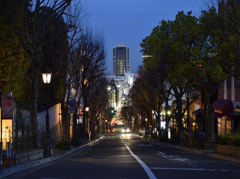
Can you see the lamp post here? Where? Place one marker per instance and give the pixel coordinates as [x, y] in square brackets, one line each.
[109, 95]
[146, 125]
[188, 95]
[87, 118]
[106, 125]
[47, 149]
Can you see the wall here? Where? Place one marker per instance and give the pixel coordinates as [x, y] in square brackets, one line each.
[54, 121]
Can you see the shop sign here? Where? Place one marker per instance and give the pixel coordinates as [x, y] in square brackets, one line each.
[6, 107]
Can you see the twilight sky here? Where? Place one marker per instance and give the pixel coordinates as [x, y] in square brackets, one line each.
[130, 21]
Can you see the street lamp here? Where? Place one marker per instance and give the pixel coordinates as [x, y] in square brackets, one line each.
[146, 124]
[87, 118]
[188, 95]
[47, 149]
[106, 125]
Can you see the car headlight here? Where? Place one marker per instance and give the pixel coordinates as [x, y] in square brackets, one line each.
[128, 130]
[123, 130]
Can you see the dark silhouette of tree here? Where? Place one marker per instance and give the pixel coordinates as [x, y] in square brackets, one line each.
[36, 23]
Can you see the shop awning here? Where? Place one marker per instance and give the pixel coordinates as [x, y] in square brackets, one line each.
[198, 112]
[218, 115]
[222, 107]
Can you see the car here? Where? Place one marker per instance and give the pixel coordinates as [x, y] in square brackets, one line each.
[125, 130]
[110, 130]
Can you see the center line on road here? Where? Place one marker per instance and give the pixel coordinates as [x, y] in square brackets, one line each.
[145, 167]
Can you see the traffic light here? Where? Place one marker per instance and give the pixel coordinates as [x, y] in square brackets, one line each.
[112, 111]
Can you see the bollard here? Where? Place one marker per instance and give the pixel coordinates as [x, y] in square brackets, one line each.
[8, 149]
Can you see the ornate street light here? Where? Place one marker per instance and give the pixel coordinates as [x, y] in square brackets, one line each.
[87, 118]
[46, 77]
[47, 149]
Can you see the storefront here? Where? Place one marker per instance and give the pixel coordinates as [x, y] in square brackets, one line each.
[6, 113]
[228, 115]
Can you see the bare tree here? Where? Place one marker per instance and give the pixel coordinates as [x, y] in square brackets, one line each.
[37, 19]
[92, 68]
[97, 99]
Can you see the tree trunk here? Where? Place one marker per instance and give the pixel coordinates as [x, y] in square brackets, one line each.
[84, 110]
[179, 119]
[209, 113]
[64, 121]
[74, 128]
[34, 93]
[238, 53]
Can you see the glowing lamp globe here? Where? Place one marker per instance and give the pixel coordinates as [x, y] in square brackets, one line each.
[46, 77]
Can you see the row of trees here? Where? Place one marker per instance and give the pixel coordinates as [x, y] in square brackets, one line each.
[188, 53]
[41, 34]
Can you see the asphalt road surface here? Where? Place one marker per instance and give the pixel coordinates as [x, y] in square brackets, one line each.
[120, 156]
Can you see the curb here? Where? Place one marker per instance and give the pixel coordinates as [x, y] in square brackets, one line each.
[20, 167]
[17, 168]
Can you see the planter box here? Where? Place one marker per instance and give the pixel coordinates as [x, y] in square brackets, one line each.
[227, 150]
[28, 156]
[22, 158]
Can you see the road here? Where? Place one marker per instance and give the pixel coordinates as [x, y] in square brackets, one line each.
[123, 156]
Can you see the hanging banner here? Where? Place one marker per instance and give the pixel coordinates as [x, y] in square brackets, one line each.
[6, 107]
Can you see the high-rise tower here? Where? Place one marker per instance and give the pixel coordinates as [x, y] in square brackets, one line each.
[120, 59]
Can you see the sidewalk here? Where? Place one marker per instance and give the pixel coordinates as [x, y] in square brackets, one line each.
[57, 154]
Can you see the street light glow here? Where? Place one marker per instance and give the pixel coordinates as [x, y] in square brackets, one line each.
[46, 77]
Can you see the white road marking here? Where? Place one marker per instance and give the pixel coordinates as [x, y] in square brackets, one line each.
[194, 169]
[177, 159]
[145, 167]
[160, 153]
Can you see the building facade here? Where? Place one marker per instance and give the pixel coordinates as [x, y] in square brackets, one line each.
[227, 106]
[120, 60]
[124, 84]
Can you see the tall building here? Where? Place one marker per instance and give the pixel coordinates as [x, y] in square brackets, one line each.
[120, 59]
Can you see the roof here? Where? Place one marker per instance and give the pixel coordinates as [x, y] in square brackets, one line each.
[120, 45]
